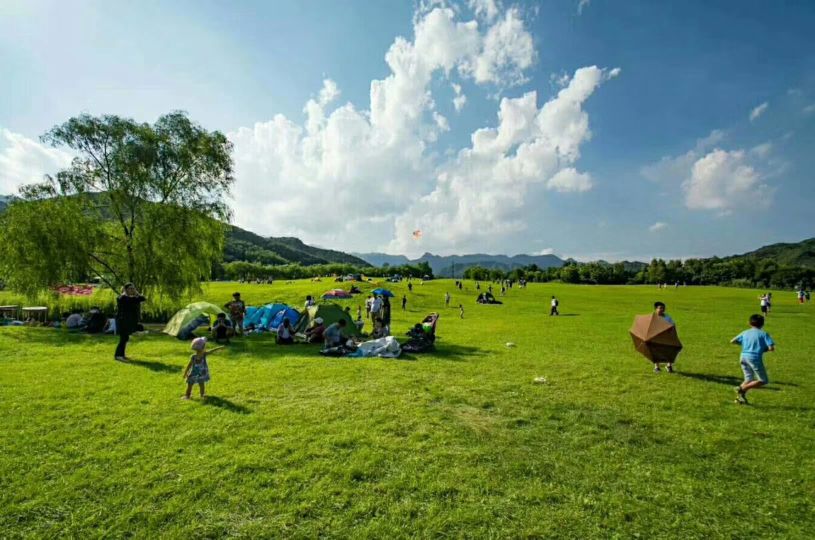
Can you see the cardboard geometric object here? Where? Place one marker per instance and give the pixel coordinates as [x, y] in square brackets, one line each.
[655, 338]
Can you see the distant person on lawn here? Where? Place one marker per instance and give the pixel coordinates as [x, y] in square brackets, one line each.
[754, 343]
[128, 307]
[764, 302]
[237, 311]
[315, 333]
[334, 336]
[285, 334]
[554, 305]
[222, 329]
[659, 310]
[404, 302]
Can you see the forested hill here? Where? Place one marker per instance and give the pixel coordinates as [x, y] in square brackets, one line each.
[242, 245]
[785, 254]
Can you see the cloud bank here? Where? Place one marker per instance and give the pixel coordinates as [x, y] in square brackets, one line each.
[367, 178]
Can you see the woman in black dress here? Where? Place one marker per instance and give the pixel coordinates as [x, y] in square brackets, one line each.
[127, 317]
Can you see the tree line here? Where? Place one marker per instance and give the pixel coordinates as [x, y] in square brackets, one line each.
[251, 271]
[734, 271]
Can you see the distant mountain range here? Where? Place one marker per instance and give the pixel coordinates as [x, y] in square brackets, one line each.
[454, 265]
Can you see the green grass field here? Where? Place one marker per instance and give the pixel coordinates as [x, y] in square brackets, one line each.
[459, 443]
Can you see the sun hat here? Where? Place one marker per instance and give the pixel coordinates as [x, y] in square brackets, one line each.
[199, 344]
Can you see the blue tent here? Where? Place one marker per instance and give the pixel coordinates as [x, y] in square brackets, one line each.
[292, 314]
[262, 316]
[382, 292]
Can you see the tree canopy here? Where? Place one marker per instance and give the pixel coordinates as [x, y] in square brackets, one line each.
[140, 202]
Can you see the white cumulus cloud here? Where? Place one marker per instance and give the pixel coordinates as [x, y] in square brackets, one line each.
[25, 161]
[724, 181]
[460, 99]
[658, 226]
[486, 194]
[719, 180]
[758, 111]
[355, 178]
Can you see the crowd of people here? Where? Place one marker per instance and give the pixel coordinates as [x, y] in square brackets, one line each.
[754, 341]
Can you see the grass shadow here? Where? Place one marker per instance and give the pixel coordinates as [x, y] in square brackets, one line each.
[728, 380]
[221, 403]
[458, 353]
[156, 366]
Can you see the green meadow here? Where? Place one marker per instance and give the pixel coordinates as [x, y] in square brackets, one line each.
[460, 443]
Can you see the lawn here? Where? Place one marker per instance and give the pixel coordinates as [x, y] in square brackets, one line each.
[459, 443]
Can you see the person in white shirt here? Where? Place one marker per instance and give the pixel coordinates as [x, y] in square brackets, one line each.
[74, 321]
[376, 306]
[659, 309]
[553, 310]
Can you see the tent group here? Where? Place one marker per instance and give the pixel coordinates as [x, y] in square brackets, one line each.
[266, 318]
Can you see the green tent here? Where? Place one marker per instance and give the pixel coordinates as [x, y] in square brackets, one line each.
[188, 314]
[330, 313]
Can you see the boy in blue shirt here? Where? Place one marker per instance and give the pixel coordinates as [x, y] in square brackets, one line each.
[754, 343]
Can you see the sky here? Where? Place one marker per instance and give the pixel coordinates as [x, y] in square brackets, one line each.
[613, 129]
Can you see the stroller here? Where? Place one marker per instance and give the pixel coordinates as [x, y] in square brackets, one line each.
[422, 335]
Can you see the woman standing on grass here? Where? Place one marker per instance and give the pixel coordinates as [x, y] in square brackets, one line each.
[127, 317]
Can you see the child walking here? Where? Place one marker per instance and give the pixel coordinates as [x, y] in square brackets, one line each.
[197, 371]
[754, 343]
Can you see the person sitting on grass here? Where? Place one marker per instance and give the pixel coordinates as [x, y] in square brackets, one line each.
[659, 309]
[285, 334]
[334, 335]
[74, 320]
[754, 343]
[222, 329]
[315, 333]
[197, 371]
[381, 329]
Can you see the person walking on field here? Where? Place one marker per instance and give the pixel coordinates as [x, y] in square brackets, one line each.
[447, 299]
[128, 307]
[659, 310]
[764, 302]
[404, 302]
[754, 343]
[554, 305]
[461, 311]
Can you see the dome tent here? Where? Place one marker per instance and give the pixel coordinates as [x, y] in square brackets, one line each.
[188, 315]
[329, 313]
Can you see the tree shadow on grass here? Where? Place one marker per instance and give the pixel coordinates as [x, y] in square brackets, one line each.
[728, 380]
[221, 403]
[155, 366]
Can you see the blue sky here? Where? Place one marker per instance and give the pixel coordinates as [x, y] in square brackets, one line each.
[647, 133]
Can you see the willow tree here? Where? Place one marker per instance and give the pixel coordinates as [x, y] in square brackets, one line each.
[140, 202]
